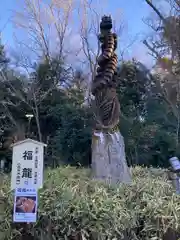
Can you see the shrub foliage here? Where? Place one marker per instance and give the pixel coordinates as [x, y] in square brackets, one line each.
[72, 206]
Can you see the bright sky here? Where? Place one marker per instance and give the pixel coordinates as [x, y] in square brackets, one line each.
[131, 12]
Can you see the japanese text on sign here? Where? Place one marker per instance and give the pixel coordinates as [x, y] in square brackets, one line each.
[18, 176]
[27, 169]
[28, 155]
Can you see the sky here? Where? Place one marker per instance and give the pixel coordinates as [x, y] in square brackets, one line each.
[130, 12]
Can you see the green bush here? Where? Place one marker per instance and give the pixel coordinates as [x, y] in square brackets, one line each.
[72, 206]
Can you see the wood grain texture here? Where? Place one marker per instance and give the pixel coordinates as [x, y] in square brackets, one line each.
[108, 159]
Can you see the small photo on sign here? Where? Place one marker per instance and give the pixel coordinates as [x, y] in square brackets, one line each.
[25, 205]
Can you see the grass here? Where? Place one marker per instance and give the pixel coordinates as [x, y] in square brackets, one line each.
[72, 206]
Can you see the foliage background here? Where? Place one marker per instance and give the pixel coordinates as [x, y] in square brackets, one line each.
[72, 206]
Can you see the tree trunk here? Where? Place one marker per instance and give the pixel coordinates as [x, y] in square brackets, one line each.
[36, 111]
[108, 158]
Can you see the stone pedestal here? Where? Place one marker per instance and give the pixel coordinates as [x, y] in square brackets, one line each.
[108, 158]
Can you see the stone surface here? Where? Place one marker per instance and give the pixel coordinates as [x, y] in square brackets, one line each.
[108, 158]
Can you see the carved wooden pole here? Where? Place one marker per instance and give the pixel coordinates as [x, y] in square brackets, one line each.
[108, 151]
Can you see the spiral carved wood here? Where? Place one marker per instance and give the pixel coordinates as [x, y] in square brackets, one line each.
[106, 104]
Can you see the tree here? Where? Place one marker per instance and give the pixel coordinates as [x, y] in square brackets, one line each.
[3, 58]
[165, 47]
[12, 117]
[40, 20]
[9, 102]
[60, 118]
[48, 76]
[133, 87]
[72, 141]
[166, 39]
[69, 133]
[147, 122]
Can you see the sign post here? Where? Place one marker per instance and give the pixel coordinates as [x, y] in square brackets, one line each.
[175, 173]
[27, 178]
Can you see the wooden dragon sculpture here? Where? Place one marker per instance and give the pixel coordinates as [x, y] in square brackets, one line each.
[106, 103]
